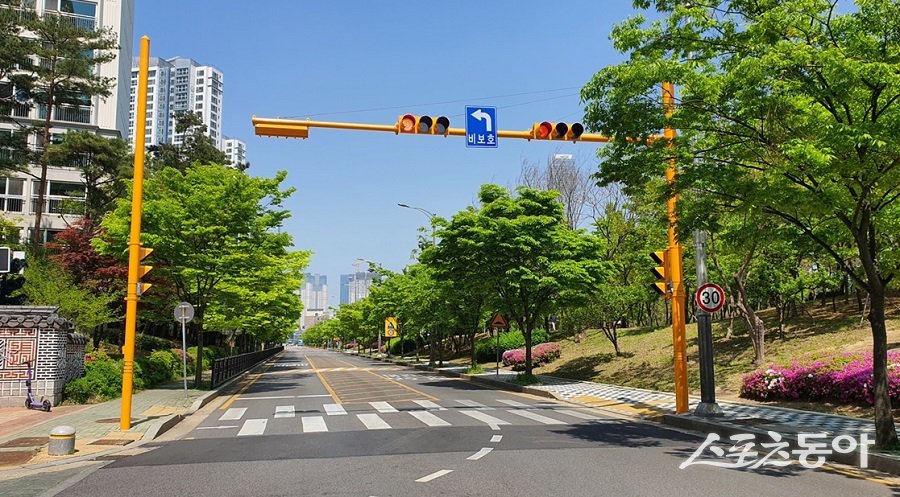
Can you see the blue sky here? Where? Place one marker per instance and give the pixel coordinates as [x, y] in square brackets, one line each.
[370, 62]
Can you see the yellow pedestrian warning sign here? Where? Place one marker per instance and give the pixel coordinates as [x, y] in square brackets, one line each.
[390, 327]
[498, 321]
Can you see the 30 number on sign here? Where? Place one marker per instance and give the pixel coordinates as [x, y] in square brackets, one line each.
[710, 297]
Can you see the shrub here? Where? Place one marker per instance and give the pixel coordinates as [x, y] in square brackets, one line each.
[485, 349]
[102, 380]
[162, 366]
[844, 378]
[150, 343]
[406, 346]
[541, 354]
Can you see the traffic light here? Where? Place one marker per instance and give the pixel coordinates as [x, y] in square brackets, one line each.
[559, 131]
[661, 286]
[425, 125]
[143, 270]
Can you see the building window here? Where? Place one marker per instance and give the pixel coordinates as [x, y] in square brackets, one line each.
[198, 98]
[198, 106]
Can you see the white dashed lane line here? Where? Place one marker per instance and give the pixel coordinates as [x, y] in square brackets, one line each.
[432, 476]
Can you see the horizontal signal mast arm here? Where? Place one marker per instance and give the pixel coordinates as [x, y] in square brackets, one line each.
[293, 128]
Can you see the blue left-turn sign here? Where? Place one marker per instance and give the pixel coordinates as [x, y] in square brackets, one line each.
[481, 127]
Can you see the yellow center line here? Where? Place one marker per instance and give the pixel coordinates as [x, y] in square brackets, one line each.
[242, 390]
[334, 396]
[428, 397]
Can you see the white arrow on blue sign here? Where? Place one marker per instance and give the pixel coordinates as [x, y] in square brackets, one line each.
[481, 127]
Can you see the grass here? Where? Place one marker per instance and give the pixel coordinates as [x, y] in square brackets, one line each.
[646, 360]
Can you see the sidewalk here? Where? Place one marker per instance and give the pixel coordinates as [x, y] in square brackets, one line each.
[656, 406]
[24, 433]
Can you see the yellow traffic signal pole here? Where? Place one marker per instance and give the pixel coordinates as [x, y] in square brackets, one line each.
[134, 241]
[675, 271]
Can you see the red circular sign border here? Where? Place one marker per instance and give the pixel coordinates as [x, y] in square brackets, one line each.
[705, 286]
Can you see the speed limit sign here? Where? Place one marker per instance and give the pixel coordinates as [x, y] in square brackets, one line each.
[710, 297]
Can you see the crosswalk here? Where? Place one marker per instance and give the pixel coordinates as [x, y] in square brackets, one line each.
[406, 414]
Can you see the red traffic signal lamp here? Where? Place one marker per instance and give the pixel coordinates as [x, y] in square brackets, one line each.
[425, 125]
[662, 286]
[558, 131]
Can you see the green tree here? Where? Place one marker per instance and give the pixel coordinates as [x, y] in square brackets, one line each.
[210, 226]
[786, 107]
[104, 164]
[14, 151]
[195, 147]
[61, 81]
[521, 247]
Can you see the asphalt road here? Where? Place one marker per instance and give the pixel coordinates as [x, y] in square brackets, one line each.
[316, 423]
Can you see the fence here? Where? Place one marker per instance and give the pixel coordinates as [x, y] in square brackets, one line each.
[228, 367]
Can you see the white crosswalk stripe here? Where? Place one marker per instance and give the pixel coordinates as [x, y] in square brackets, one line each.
[373, 422]
[334, 410]
[312, 424]
[253, 427]
[577, 414]
[512, 403]
[428, 418]
[472, 403]
[382, 406]
[427, 404]
[540, 418]
[484, 418]
[233, 414]
[284, 411]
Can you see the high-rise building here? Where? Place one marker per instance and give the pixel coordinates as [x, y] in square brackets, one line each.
[104, 116]
[346, 280]
[314, 295]
[235, 150]
[359, 285]
[177, 85]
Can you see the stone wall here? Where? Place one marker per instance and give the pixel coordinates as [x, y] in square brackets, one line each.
[42, 337]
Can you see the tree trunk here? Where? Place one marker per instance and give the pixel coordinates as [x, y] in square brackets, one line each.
[526, 332]
[42, 185]
[198, 372]
[472, 360]
[885, 432]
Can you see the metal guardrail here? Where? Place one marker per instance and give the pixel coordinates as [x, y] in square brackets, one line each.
[228, 367]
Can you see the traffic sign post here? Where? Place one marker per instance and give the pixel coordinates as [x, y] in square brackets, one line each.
[481, 127]
[710, 298]
[390, 331]
[498, 322]
[184, 313]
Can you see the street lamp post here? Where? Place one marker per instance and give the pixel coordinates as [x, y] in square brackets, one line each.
[431, 217]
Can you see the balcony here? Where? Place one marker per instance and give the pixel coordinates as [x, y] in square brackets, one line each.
[60, 205]
[67, 113]
[86, 23]
[15, 110]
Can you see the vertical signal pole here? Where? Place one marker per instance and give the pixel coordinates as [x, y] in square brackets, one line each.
[674, 261]
[134, 241]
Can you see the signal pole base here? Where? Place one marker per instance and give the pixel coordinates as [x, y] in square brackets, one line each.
[708, 409]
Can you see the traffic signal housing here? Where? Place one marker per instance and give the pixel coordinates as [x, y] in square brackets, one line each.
[143, 270]
[425, 125]
[662, 285]
[557, 131]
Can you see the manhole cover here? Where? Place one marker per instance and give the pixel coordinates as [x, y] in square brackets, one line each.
[15, 457]
[24, 442]
[111, 441]
[113, 420]
[750, 421]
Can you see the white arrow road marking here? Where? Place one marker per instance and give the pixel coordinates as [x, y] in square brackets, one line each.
[481, 453]
[484, 116]
[233, 414]
[253, 427]
[432, 476]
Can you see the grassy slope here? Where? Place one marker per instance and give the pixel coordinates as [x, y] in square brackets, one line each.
[647, 360]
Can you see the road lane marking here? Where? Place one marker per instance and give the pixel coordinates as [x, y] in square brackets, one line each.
[285, 411]
[373, 422]
[423, 394]
[512, 403]
[427, 404]
[428, 418]
[330, 390]
[217, 427]
[481, 453]
[383, 407]
[233, 414]
[279, 397]
[253, 427]
[432, 476]
[472, 403]
[484, 418]
[577, 414]
[234, 397]
[540, 418]
[334, 410]
[496, 438]
[312, 424]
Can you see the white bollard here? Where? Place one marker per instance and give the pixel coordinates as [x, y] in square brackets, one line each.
[62, 441]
